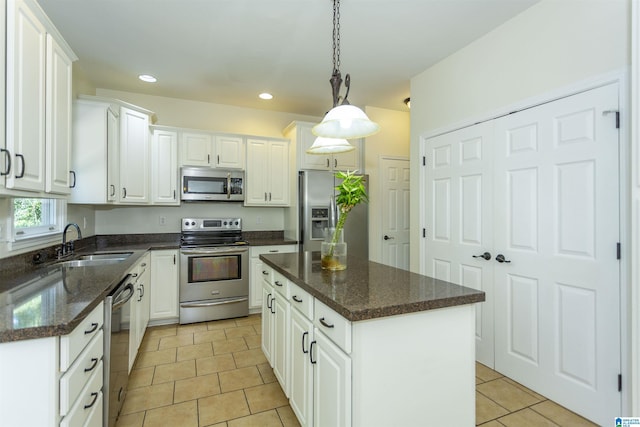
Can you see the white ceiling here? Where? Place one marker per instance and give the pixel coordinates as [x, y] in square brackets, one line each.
[228, 51]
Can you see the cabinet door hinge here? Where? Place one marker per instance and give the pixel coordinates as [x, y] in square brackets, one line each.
[619, 382]
[618, 251]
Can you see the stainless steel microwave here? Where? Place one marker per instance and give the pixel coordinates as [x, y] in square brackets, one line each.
[207, 184]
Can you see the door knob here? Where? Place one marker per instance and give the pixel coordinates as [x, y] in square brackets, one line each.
[387, 237]
[485, 255]
[500, 258]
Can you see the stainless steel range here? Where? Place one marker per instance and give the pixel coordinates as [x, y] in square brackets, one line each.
[214, 270]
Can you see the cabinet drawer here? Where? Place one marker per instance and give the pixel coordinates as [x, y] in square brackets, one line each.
[281, 284]
[273, 249]
[90, 397]
[71, 345]
[267, 273]
[95, 416]
[334, 326]
[301, 300]
[72, 382]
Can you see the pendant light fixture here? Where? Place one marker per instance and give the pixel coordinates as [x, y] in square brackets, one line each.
[343, 121]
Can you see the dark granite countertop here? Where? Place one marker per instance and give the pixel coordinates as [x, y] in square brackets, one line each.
[368, 290]
[52, 300]
[45, 300]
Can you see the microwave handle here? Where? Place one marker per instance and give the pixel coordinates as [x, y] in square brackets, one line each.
[228, 185]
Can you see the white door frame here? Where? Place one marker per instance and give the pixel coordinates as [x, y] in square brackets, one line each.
[633, 390]
[629, 227]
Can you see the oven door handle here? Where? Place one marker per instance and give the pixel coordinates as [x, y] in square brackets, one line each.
[212, 303]
[211, 251]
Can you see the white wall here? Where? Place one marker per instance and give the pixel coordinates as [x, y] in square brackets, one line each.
[392, 140]
[146, 219]
[209, 116]
[550, 45]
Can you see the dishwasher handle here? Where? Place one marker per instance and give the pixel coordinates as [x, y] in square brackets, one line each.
[122, 296]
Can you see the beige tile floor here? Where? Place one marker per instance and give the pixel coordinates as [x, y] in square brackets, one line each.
[214, 374]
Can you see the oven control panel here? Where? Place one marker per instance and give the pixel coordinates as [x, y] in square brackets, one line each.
[211, 224]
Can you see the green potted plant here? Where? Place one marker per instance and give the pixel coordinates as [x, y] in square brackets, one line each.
[351, 192]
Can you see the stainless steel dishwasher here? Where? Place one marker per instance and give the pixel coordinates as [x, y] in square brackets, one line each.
[116, 351]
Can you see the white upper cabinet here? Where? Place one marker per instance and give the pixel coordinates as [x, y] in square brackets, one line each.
[26, 72]
[134, 156]
[111, 153]
[94, 156]
[195, 149]
[164, 168]
[229, 152]
[267, 175]
[59, 177]
[213, 150]
[38, 92]
[300, 134]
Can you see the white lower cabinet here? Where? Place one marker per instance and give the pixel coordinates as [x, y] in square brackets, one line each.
[301, 369]
[267, 319]
[255, 276]
[331, 383]
[56, 380]
[275, 325]
[280, 340]
[163, 290]
[139, 316]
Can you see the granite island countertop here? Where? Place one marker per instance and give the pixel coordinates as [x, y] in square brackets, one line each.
[369, 290]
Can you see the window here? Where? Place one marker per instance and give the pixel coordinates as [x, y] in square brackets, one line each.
[37, 217]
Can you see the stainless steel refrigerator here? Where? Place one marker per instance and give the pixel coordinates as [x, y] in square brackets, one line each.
[315, 189]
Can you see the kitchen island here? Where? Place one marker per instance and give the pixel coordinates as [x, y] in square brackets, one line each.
[371, 345]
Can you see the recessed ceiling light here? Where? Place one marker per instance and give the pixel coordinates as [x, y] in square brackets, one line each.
[147, 78]
[265, 95]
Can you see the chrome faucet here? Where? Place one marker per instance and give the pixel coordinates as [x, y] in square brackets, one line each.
[68, 247]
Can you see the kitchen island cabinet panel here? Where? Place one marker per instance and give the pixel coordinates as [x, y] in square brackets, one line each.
[429, 375]
[390, 347]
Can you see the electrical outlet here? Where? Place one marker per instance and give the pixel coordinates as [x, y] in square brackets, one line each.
[259, 220]
[162, 220]
[84, 222]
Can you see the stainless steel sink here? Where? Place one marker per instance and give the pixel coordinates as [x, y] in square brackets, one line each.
[95, 260]
[120, 256]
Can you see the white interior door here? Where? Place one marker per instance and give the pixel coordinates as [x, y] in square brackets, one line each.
[458, 222]
[556, 190]
[395, 212]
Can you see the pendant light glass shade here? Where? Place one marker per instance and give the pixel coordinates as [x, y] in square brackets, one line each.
[345, 121]
[330, 145]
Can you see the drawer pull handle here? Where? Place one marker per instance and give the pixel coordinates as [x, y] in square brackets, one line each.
[296, 299]
[303, 348]
[266, 273]
[278, 283]
[93, 402]
[274, 250]
[93, 365]
[94, 326]
[313, 362]
[325, 324]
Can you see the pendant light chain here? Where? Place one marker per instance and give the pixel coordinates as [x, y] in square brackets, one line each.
[336, 35]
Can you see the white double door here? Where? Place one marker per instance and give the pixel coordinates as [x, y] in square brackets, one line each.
[536, 193]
